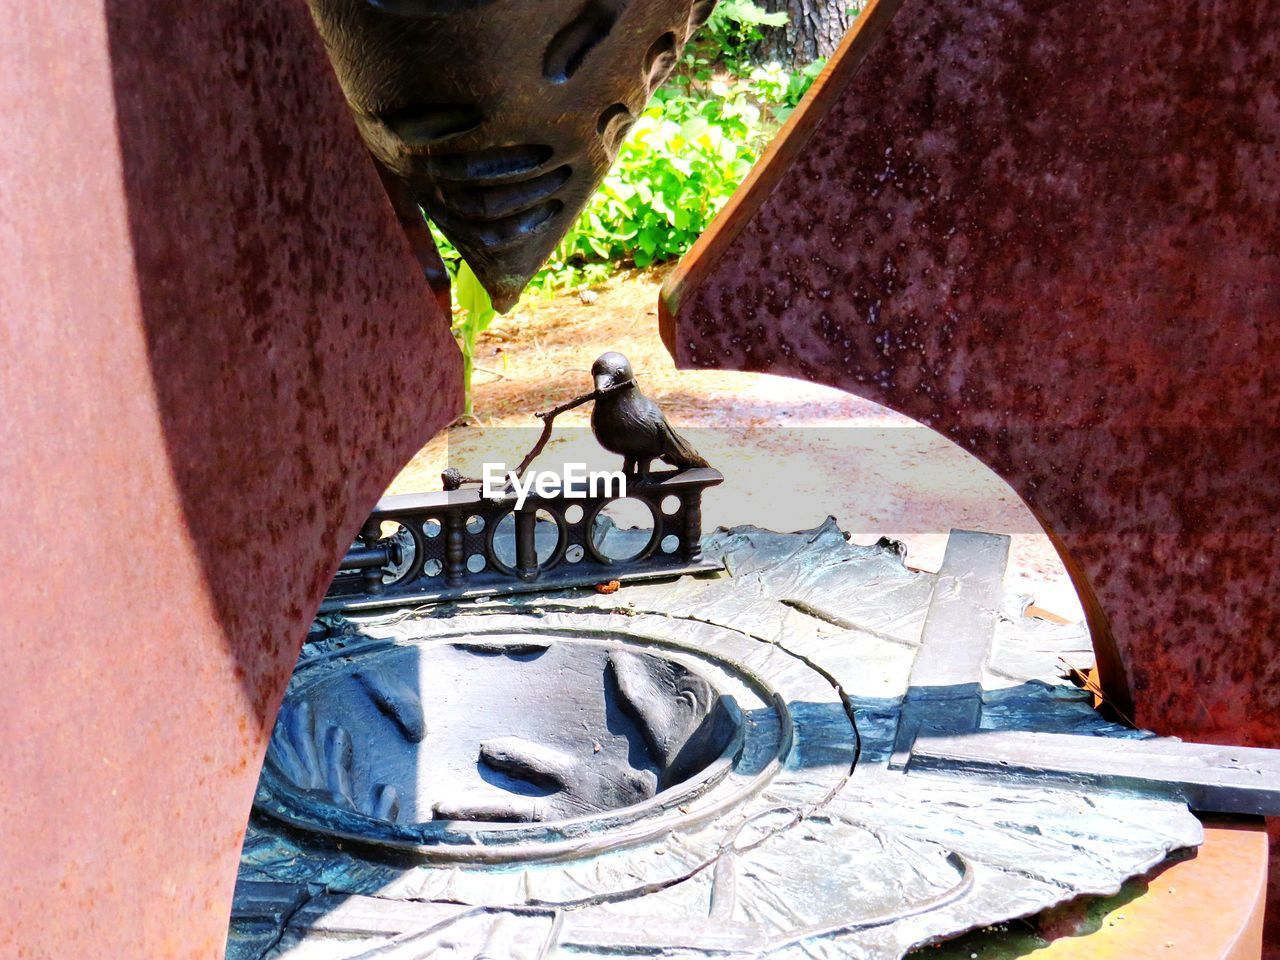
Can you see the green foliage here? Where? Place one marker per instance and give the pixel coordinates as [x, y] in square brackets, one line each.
[473, 315]
[782, 90]
[683, 158]
[733, 29]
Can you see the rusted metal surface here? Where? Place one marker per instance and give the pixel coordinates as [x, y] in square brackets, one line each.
[1209, 906]
[502, 116]
[215, 351]
[1050, 233]
[421, 244]
[1271, 933]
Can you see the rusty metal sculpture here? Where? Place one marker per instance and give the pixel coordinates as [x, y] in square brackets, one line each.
[220, 361]
[210, 359]
[501, 118]
[1051, 235]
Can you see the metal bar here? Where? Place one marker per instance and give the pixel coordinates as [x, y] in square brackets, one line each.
[438, 569]
[371, 575]
[945, 688]
[691, 539]
[1209, 778]
[454, 551]
[562, 577]
[526, 547]
[362, 558]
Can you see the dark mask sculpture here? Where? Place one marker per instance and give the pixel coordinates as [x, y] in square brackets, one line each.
[502, 116]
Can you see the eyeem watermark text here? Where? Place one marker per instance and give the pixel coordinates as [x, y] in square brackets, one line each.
[576, 482]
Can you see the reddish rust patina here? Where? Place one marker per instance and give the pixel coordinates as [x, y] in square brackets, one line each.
[1050, 231]
[1207, 907]
[215, 351]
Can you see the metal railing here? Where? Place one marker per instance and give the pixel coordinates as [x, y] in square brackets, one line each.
[420, 548]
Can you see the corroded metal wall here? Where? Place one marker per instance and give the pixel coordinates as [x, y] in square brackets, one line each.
[215, 351]
[1050, 232]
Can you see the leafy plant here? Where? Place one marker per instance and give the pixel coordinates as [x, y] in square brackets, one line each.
[683, 159]
[472, 317]
[734, 29]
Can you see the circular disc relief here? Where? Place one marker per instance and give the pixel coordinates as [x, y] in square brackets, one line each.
[517, 746]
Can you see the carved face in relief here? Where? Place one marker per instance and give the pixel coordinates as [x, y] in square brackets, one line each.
[517, 729]
[502, 115]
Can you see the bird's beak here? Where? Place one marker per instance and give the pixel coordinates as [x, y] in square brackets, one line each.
[603, 380]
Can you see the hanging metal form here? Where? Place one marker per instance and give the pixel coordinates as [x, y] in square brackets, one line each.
[502, 116]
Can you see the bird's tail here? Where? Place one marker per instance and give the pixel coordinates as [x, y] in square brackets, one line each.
[681, 453]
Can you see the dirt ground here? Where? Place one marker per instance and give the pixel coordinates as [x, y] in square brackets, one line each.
[792, 453]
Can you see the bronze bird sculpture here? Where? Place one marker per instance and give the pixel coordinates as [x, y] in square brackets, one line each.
[628, 423]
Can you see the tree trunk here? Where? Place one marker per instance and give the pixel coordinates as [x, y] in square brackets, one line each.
[813, 29]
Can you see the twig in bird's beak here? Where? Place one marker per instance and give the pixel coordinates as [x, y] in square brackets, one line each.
[547, 416]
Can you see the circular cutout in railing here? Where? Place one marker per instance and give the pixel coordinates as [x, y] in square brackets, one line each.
[405, 552]
[546, 538]
[623, 529]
